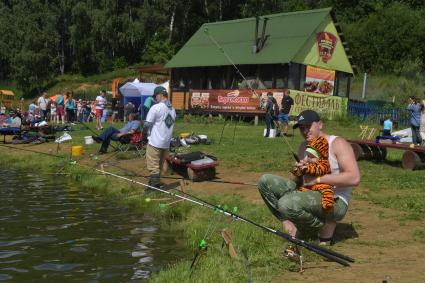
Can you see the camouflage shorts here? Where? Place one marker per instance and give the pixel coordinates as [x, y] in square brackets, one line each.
[302, 208]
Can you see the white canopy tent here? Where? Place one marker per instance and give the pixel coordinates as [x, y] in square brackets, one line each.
[137, 89]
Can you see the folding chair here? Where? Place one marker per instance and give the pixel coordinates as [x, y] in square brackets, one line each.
[134, 140]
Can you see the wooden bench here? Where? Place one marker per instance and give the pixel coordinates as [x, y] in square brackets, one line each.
[413, 156]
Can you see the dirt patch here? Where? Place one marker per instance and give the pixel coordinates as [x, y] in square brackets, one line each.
[383, 246]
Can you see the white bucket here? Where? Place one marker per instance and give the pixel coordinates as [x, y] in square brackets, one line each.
[88, 140]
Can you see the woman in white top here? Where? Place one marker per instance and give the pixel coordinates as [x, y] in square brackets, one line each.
[100, 105]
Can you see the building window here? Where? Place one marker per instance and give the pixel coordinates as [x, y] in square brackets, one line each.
[342, 84]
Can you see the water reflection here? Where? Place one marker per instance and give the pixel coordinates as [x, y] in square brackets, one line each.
[51, 230]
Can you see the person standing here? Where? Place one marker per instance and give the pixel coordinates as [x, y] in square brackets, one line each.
[415, 108]
[159, 126]
[149, 101]
[296, 209]
[60, 108]
[271, 107]
[42, 103]
[285, 112]
[100, 105]
[70, 108]
[53, 116]
[422, 126]
[388, 126]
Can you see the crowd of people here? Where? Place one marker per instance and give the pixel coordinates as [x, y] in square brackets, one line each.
[64, 108]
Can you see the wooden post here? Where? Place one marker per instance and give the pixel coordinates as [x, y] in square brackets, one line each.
[256, 120]
[413, 160]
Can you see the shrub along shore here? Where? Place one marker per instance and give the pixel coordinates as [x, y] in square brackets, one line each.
[383, 184]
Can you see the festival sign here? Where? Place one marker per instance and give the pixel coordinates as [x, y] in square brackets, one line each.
[241, 101]
[328, 106]
[319, 80]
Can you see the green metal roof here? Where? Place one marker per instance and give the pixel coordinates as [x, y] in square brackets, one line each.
[288, 34]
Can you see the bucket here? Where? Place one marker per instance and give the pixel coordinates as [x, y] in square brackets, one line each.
[88, 140]
[77, 150]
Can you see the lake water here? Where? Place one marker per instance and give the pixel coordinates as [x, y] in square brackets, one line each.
[53, 231]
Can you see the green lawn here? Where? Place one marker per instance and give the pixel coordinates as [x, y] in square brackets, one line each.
[385, 184]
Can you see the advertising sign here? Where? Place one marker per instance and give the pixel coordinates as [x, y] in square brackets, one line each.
[319, 80]
[245, 103]
[327, 105]
[241, 101]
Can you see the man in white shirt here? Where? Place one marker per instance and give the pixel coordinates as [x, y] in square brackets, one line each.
[159, 123]
[42, 105]
[100, 105]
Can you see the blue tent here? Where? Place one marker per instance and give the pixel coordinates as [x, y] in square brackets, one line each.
[137, 92]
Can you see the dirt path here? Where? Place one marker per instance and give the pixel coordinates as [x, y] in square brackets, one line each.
[383, 246]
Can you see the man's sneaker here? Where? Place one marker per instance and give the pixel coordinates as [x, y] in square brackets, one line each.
[326, 241]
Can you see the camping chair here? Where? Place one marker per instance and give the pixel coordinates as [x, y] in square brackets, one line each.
[134, 140]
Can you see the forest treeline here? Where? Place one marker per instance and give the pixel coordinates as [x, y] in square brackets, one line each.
[40, 40]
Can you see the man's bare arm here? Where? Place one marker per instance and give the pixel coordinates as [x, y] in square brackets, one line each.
[349, 171]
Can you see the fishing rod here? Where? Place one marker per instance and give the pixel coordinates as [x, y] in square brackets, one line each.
[288, 144]
[277, 232]
[180, 178]
[206, 31]
[329, 254]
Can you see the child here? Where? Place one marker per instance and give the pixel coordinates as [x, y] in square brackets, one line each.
[53, 117]
[317, 153]
[388, 126]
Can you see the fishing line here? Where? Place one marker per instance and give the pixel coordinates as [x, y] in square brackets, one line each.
[329, 254]
[232, 63]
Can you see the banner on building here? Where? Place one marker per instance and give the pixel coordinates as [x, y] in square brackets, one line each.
[327, 105]
[241, 101]
[244, 102]
[318, 80]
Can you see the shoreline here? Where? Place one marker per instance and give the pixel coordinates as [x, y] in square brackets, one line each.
[194, 221]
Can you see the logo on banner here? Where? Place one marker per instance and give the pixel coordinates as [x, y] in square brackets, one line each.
[233, 97]
[326, 43]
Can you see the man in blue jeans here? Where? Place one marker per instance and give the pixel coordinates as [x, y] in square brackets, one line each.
[114, 134]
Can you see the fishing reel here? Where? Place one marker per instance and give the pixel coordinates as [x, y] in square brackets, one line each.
[292, 253]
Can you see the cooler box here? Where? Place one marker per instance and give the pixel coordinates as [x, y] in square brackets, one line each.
[197, 165]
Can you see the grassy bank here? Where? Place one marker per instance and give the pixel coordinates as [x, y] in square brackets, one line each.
[386, 185]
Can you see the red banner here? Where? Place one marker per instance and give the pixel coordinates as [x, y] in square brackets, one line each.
[242, 101]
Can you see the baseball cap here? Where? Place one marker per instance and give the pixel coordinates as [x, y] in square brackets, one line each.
[307, 117]
[160, 90]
